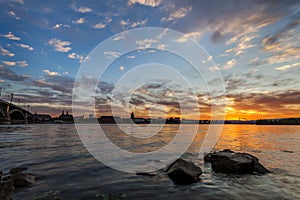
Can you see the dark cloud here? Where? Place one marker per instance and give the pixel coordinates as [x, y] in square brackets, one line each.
[45, 96]
[225, 18]
[137, 100]
[217, 36]
[105, 88]
[253, 80]
[267, 102]
[293, 20]
[57, 83]
[7, 74]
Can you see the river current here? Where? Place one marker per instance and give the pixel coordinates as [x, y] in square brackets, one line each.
[55, 154]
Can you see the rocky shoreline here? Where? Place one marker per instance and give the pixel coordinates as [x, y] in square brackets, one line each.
[15, 178]
[181, 172]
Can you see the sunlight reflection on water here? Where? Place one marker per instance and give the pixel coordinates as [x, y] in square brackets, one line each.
[56, 155]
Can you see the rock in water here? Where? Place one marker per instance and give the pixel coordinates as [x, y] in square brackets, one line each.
[22, 179]
[19, 178]
[230, 162]
[6, 188]
[183, 172]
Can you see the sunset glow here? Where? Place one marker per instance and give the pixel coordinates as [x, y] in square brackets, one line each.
[256, 51]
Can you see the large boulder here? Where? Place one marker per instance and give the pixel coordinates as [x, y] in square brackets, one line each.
[183, 172]
[229, 162]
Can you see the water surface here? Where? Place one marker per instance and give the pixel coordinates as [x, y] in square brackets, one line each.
[55, 154]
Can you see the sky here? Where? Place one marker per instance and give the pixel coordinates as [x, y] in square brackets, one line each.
[254, 46]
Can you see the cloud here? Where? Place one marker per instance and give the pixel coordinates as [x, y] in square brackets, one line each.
[19, 1]
[281, 49]
[15, 63]
[120, 36]
[13, 14]
[194, 35]
[257, 62]
[130, 57]
[105, 87]
[138, 23]
[57, 83]
[57, 26]
[228, 19]
[178, 14]
[79, 21]
[60, 46]
[123, 22]
[287, 67]
[49, 73]
[262, 104]
[284, 31]
[214, 68]
[10, 36]
[146, 43]
[99, 26]
[282, 43]
[151, 3]
[8, 74]
[121, 68]
[5, 52]
[209, 58]
[82, 9]
[76, 56]
[25, 46]
[163, 99]
[243, 44]
[230, 63]
[9, 63]
[112, 54]
[43, 99]
[253, 81]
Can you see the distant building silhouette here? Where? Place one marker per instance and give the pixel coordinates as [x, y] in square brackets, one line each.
[65, 117]
[172, 120]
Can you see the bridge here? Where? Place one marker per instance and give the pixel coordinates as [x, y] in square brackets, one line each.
[13, 114]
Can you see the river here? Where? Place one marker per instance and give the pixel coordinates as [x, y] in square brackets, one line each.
[56, 155]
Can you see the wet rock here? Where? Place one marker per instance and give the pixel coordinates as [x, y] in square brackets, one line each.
[183, 172]
[22, 179]
[17, 170]
[19, 178]
[230, 162]
[1, 173]
[6, 188]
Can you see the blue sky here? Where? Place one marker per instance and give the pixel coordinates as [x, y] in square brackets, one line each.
[255, 45]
